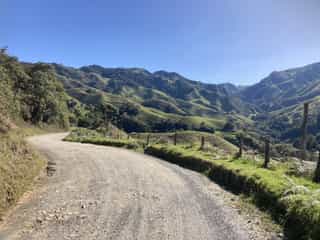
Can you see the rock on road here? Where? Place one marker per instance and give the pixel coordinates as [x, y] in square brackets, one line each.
[99, 192]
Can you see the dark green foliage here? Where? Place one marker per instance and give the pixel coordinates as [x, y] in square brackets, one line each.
[31, 92]
[168, 125]
[130, 124]
[229, 127]
[204, 128]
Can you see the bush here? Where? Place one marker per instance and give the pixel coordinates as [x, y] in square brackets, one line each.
[111, 142]
[94, 137]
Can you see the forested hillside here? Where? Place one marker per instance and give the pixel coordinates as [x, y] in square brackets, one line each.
[279, 99]
[160, 101]
[30, 92]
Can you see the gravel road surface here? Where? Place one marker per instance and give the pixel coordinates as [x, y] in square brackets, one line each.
[97, 192]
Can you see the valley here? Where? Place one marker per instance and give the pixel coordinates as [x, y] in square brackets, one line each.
[196, 125]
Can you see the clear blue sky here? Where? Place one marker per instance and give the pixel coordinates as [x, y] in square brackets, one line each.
[238, 41]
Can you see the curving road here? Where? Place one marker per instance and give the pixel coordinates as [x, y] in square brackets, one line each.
[104, 193]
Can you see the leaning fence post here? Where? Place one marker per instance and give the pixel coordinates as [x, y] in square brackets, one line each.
[266, 153]
[304, 130]
[202, 143]
[175, 138]
[240, 145]
[148, 139]
[317, 172]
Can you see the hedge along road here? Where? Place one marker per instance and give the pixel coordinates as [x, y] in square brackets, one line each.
[99, 192]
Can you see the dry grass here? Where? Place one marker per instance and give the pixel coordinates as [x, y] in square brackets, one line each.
[19, 165]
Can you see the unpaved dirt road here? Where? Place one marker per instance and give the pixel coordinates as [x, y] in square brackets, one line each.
[104, 193]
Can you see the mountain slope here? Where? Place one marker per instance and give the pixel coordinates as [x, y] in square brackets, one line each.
[158, 101]
[285, 88]
[280, 97]
[181, 94]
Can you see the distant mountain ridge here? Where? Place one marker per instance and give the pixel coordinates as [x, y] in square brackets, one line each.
[285, 88]
[142, 85]
[278, 90]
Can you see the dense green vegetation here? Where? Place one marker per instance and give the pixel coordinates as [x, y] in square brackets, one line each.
[31, 92]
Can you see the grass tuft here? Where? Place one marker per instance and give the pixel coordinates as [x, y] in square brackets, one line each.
[19, 165]
[94, 137]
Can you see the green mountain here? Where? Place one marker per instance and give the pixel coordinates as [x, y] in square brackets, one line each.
[285, 88]
[280, 98]
[164, 101]
[158, 101]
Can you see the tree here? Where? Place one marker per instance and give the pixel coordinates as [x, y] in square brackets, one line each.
[108, 114]
[229, 126]
[43, 97]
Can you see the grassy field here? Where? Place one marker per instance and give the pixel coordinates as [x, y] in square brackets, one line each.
[213, 142]
[114, 137]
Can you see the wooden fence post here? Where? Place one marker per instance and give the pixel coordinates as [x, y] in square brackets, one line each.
[317, 172]
[175, 139]
[240, 145]
[202, 143]
[266, 153]
[304, 130]
[148, 139]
